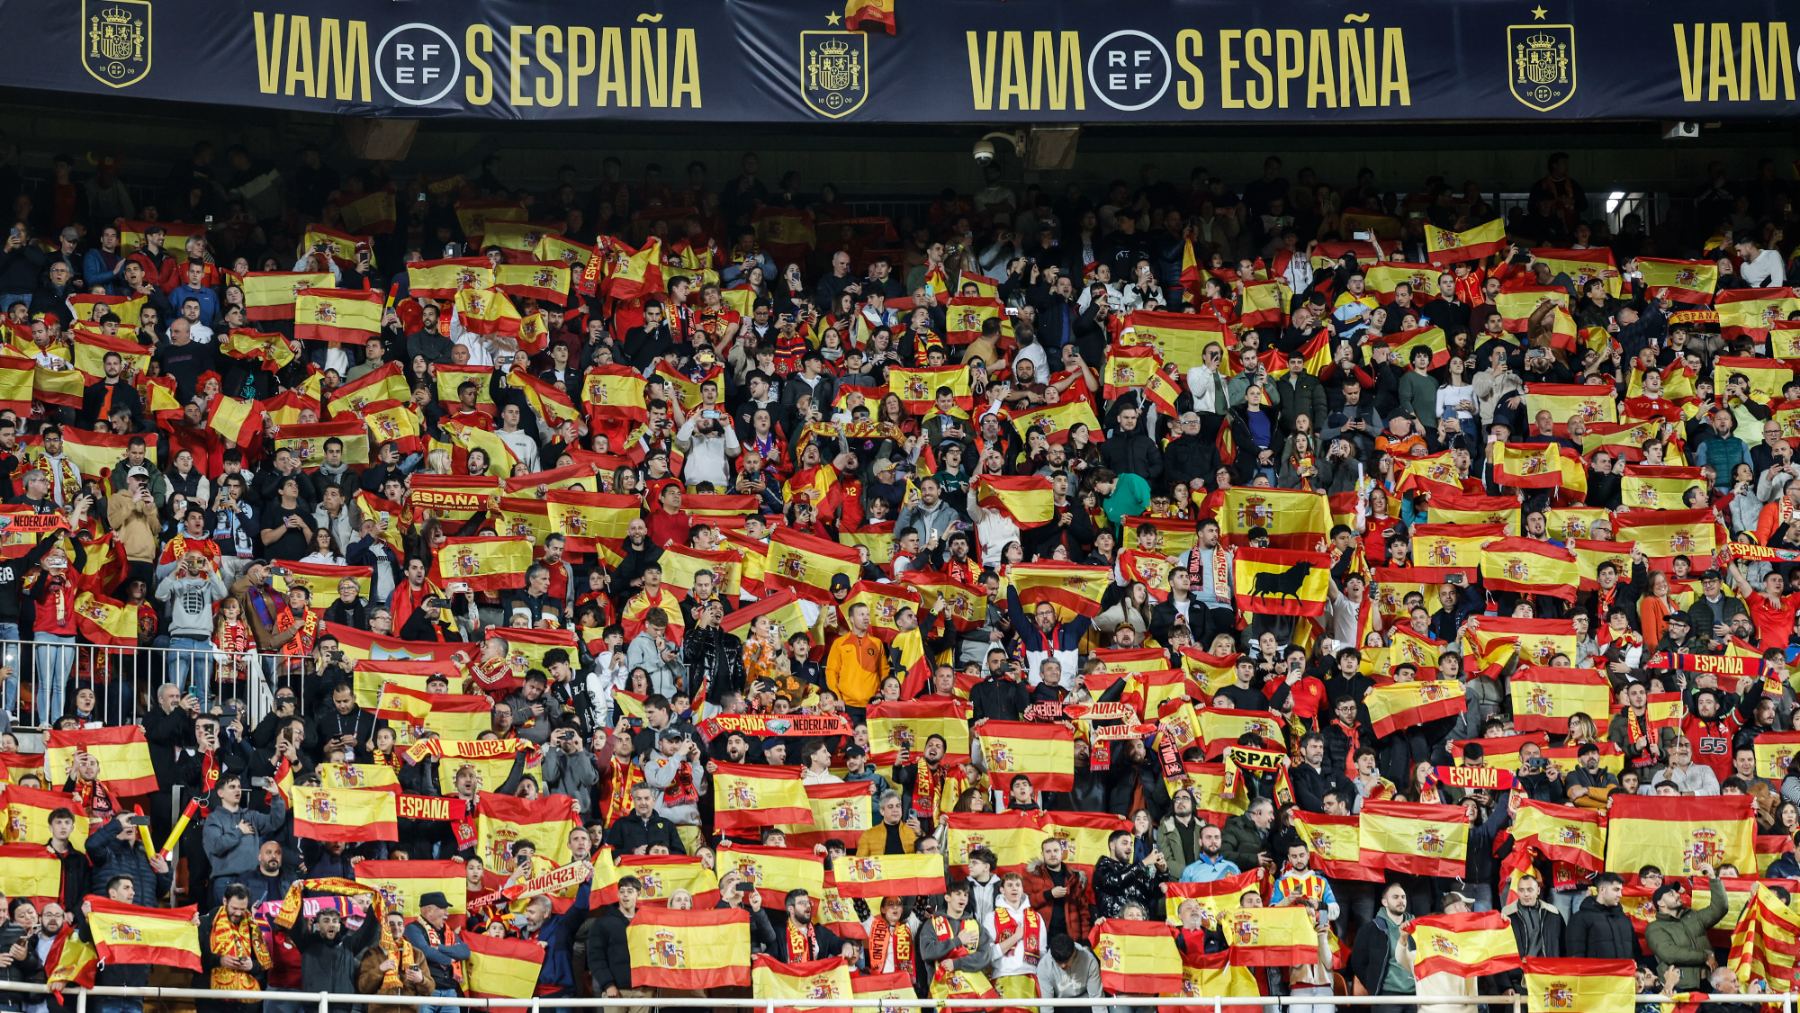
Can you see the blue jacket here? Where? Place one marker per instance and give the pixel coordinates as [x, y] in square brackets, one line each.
[208, 299]
[102, 268]
[441, 959]
[116, 856]
[1067, 635]
[558, 937]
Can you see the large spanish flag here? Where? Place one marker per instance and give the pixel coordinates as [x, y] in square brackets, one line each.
[485, 564]
[1083, 835]
[28, 869]
[1384, 276]
[1689, 281]
[1138, 368]
[1072, 588]
[345, 814]
[1516, 304]
[1216, 899]
[1336, 845]
[1562, 833]
[307, 442]
[689, 949]
[1537, 466]
[806, 563]
[487, 311]
[1136, 958]
[1774, 752]
[1467, 945]
[1544, 698]
[1396, 705]
[128, 934]
[903, 722]
[1027, 499]
[123, 754]
[540, 280]
[1665, 533]
[591, 521]
[1677, 835]
[1529, 566]
[750, 795]
[774, 871]
[1180, 338]
[1042, 751]
[1431, 338]
[1211, 975]
[680, 565]
[1588, 402]
[814, 982]
[1473, 243]
[1281, 936]
[890, 876]
[1015, 837]
[1458, 507]
[1501, 638]
[551, 405]
[841, 811]
[917, 388]
[271, 295]
[402, 882]
[1415, 838]
[92, 348]
[1749, 312]
[1439, 550]
[28, 815]
[1583, 266]
[502, 819]
[1281, 582]
[349, 316]
[237, 420]
[442, 279]
[964, 317]
[614, 390]
[500, 968]
[1055, 420]
[1294, 519]
[1580, 985]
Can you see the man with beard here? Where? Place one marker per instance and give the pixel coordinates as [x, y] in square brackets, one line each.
[799, 937]
[1209, 863]
[1058, 892]
[922, 779]
[1118, 880]
[1178, 835]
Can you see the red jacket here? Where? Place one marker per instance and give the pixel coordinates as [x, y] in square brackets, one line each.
[1037, 883]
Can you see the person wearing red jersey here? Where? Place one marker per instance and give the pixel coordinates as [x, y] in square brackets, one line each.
[1710, 733]
[1770, 610]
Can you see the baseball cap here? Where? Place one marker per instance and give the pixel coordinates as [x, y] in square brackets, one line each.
[839, 580]
[138, 472]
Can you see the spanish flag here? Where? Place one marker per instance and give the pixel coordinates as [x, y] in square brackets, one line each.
[452, 716]
[877, 538]
[782, 608]
[1774, 752]
[502, 819]
[237, 420]
[751, 795]
[104, 620]
[307, 442]
[1658, 487]
[545, 282]
[1583, 266]
[128, 934]
[917, 388]
[487, 311]
[1396, 705]
[1210, 975]
[775, 871]
[269, 349]
[1443, 549]
[1216, 899]
[14, 766]
[841, 811]
[1015, 837]
[358, 775]
[1529, 566]
[1430, 338]
[348, 316]
[551, 405]
[1767, 377]
[1055, 420]
[1516, 305]
[500, 968]
[885, 600]
[1689, 281]
[1041, 751]
[589, 521]
[1580, 985]
[636, 274]
[1180, 338]
[1562, 833]
[28, 815]
[1336, 845]
[1272, 936]
[450, 378]
[890, 876]
[123, 754]
[29, 869]
[1457, 507]
[1415, 838]
[92, 348]
[89, 309]
[1474, 243]
[442, 279]
[1383, 276]
[395, 422]
[967, 605]
[1679, 834]
[965, 316]
[176, 235]
[485, 564]
[1083, 835]
[896, 723]
[18, 377]
[1588, 402]
[344, 814]
[662, 875]
[1750, 312]
[1139, 368]
[1666, 533]
[1466, 945]
[1537, 465]
[860, 16]
[1072, 588]
[271, 295]
[1264, 304]
[813, 981]
[476, 215]
[1544, 699]
[1027, 499]
[1136, 958]
[689, 949]
[806, 563]
[402, 882]
[1281, 582]
[680, 565]
[1221, 727]
[1294, 519]
[1501, 638]
[385, 384]
[96, 454]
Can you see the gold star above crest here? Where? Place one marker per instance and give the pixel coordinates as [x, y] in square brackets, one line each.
[1537, 13]
[833, 18]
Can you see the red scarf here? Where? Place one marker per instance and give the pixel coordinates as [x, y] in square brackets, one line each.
[1355, 738]
[800, 941]
[925, 790]
[1005, 924]
[889, 943]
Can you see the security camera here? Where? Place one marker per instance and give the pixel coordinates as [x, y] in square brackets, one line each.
[984, 149]
[983, 152]
[1680, 130]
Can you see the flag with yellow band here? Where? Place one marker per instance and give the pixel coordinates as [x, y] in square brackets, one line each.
[1689, 281]
[104, 620]
[1767, 377]
[1562, 833]
[484, 564]
[502, 820]
[1396, 705]
[385, 384]
[1015, 837]
[1216, 899]
[307, 442]
[92, 348]
[681, 564]
[1665, 533]
[1658, 487]
[1281, 582]
[348, 316]
[396, 422]
[1529, 566]
[344, 814]
[500, 968]
[898, 724]
[1136, 958]
[29, 869]
[1564, 401]
[1055, 420]
[442, 279]
[1774, 752]
[804, 985]
[466, 439]
[1750, 312]
[1027, 499]
[689, 949]
[1180, 338]
[272, 295]
[1294, 519]
[1043, 752]
[1139, 368]
[543, 281]
[1499, 639]
[1678, 835]
[874, 877]
[1516, 305]
[128, 934]
[1476, 242]
[773, 871]
[123, 754]
[806, 564]
[1336, 845]
[28, 815]
[1467, 945]
[917, 388]
[1545, 698]
[1281, 936]
[1415, 838]
[755, 795]
[487, 311]
[1073, 589]
[1580, 985]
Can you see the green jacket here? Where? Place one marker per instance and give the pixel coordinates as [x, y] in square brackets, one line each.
[1681, 942]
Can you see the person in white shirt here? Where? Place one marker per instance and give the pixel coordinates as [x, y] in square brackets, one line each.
[1207, 384]
[1762, 268]
[523, 445]
[1020, 939]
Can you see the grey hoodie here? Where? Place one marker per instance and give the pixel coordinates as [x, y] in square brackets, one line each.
[191, 601]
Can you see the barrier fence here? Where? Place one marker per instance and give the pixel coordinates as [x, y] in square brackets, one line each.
[49, 677]
[89, 1000]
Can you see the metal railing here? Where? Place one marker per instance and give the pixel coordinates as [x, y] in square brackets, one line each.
[49, 678]
[1217, 1004]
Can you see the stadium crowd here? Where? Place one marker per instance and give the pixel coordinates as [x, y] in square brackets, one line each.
[882, 482]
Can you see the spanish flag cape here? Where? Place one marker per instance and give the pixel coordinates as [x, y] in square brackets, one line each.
[1137, 958]
[1468, 945]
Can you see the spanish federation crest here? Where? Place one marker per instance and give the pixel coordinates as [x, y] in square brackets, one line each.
[115, 40]
[1540, 63]
[834, 71]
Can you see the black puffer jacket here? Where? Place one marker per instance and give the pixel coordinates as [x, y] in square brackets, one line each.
[715, 659]
[1119, 883]
[329, 965]
[1600, 932]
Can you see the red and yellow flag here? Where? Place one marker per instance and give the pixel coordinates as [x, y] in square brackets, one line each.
[1180, 338]
[841, 811]
[307, 442]
[1281, 582]
[1136, 958]
[1750, 312]
[1072, 588]
[1396, 705]
[128, 934]
[345, 814]
[348, 316]
[92, 348]
[812, 982]
[1415, 838]
[890, 876]
[1516, 304]
[1767, 377]
[271, 295]
[1666, 533]
[1529, 566]
[500, 968]
[28, 869]
[917, 388]
[751, 795]
[1467, 945]
[689, 949]
[774, 871]
[1538, 465]
[909, 723]
[501, 820]
[1544, 698]
[28, 815]
[1562, 833]
[1083, 835]
[1476, 242]
[487, 311]
[385, 384]
[402, 882]
[1027, 499]
[1588, 402]
[1336, 845]
[681, 564]
[541, 280]
[591, 521]
[1139, 367]
[862, 15]
[1583, 984]
[1041, 751]
[105, 620]
[442, 279]
[1216, 899]
[123, 754]
[1281, 936]
[1015, 837]
[1690, 281]
[485, 564]
[235, 419]
[1678, 835]
[1499, 639]
[806, 563]
[1293, 518]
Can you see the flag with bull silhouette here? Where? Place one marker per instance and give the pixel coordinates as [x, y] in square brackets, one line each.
[1281, 582]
